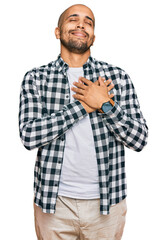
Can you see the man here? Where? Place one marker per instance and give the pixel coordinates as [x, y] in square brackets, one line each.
[79, 113]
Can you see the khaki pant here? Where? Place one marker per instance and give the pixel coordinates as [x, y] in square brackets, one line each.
[77, 219]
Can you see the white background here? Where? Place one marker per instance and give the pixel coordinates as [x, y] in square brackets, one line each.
[130, 34]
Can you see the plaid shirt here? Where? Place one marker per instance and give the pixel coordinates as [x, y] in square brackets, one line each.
[46, 114]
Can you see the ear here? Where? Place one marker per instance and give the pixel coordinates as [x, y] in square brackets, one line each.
[57, 32]
[93, 39]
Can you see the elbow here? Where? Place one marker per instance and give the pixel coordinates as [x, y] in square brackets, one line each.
[137, 147]
[141, 142]
[141, 147]
[31, 141]
[27, 147]
[26, 140]
[27, 144]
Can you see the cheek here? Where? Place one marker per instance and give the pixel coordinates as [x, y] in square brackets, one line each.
[90, 32]
[70, 26]
[91, 36]
[64, 33]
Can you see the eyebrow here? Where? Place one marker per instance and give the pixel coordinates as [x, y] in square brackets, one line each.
[77, 15]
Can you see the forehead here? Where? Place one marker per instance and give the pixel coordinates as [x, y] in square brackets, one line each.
[79, 10]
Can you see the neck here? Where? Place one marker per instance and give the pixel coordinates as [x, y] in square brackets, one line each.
[74, 59]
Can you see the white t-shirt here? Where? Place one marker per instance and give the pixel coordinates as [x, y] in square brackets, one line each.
[79, 175]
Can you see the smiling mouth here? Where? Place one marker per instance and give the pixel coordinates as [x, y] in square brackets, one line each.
[79, 34]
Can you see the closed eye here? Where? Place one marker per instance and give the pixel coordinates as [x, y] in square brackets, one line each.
[89, 23]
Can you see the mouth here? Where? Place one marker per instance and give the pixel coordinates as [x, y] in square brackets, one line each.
[79, 34]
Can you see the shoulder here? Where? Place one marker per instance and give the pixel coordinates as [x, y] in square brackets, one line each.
[42, 69]
[38, 73]
[118, 75]
[108, 67]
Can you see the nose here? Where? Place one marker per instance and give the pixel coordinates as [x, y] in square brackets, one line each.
[80, 25]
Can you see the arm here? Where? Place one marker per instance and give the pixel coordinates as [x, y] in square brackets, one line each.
[38, 128]
[125, 120]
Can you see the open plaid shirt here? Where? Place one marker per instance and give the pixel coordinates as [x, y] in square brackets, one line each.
[46, 114]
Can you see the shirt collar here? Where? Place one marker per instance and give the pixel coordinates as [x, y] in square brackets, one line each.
[63, 66]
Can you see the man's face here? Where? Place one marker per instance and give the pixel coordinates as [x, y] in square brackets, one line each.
[76, 31]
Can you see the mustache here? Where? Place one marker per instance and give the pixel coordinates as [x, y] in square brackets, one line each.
[70, 31]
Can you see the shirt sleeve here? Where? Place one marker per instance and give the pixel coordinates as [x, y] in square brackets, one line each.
[38, 128]
[125, 120]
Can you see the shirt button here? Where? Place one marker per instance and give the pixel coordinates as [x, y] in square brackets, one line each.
[62, 138]
[67, 96]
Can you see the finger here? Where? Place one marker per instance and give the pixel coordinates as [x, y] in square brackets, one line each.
[77, 90]
[110, 87]
[78, 97]
[111, 95]
[101, 81]
[108, 82]
[79, 85]
[88, 82]
[99, 78]
[97, 81]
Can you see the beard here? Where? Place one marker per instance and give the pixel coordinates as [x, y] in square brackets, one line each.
[75, 46]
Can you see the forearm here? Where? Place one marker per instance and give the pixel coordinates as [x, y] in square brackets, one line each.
[37, 126]
[132, 131]
[42, 130]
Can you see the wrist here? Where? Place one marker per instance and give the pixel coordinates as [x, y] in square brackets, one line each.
[104, 101]
[107, 106]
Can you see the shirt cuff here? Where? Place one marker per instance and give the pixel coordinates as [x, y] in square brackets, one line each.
[116, 113]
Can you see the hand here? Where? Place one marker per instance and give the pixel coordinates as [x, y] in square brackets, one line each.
[93, 94]
[108, 83]
[109, 87]
[87, 107]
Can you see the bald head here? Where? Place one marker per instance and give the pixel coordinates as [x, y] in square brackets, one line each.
[64, 15]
